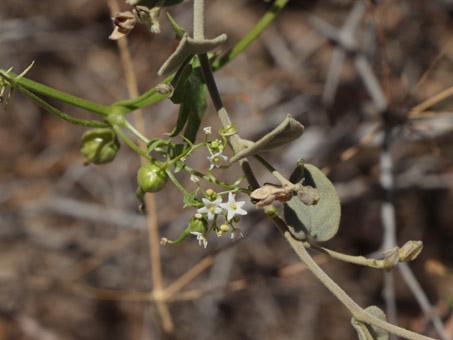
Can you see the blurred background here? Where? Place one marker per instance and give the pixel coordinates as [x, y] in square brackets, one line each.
[74, 251]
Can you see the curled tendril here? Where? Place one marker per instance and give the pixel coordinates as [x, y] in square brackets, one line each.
[228, 130]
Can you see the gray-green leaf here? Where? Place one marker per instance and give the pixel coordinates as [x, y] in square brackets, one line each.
[369, 332]
[289, 130]
[189, 47]
[321, 220]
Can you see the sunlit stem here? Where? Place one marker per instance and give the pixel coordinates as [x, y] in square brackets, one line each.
[130, 143]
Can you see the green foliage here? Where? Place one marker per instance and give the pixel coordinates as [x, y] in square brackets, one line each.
[190, 94]
[320, 221]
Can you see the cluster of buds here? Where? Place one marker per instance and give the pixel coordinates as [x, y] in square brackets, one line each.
[408, 252]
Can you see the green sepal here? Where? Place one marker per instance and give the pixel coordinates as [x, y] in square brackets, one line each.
[192, 201]
[320, 221]
[369, 332]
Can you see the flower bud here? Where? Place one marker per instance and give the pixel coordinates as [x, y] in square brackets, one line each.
[391, 258]
[224, 228]
[99, 146]
[410, 250]
[152, 177]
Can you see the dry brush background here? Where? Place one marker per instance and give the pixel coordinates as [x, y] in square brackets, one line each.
[74, 251]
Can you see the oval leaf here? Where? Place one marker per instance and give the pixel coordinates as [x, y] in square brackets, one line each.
[320, 221]
[369, 332]
[289, 130]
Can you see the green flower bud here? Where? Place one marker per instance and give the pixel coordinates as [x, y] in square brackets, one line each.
[99, 146]
[224, 228]
[152, 177]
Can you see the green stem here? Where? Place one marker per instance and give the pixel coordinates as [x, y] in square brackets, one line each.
[213, 179]
[252, 35]
[58, 113]
[360, 260]
[131, 144]
[151, 96]
[358, 312]
[176, 182]
[137, 133]
[283, 181]
[62, 96]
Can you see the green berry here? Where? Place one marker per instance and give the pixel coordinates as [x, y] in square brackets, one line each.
[99, 146]
[199, 225]
[152, 177]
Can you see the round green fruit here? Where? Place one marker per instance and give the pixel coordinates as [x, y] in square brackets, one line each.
[152, 177]
[99, 146]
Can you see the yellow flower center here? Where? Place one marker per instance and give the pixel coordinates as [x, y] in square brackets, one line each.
[216, 159]
[211, 208]
[233, 206]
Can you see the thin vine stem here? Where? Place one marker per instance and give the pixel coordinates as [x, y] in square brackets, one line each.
[131, 144]
[267, 18]
[358, 312]
[62, 96]
[58, 113]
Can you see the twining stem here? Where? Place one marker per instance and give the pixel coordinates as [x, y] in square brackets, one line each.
[58, 113]
[252, 35]
[360, 260]
[198, 19]
[357, 311]
[297, 245]
[131, 144]
[62, 96]
[136, 132]
[151, 96]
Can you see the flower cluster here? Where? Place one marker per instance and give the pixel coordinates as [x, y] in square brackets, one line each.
[213, 208]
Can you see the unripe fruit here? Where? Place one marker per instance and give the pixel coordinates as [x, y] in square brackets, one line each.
[198, 225]
[99, 146]
[152, 177]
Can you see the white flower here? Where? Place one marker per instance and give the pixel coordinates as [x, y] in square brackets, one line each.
[194, 178]
[215, 159]
[210, 208]
[207, 130]
[236, 233]
[201, 238]
[232, 207]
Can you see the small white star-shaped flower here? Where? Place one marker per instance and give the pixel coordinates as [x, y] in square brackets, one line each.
[215, 159]
[236, 233]
[207, 130]
[232, 207]
[211, 208]
[194, 179]
[201, 238]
